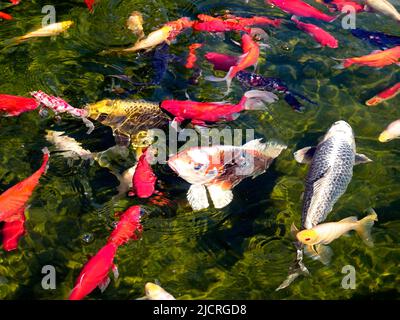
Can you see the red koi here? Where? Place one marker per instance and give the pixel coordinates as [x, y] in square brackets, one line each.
[221, 61]
[128, 227]
[144, 179]
[15, 1]
[213, 24]
[5, 16]
[251, 53]
[376, 59]
[192, 58]
[301, 9]
[15, 198]
[254, 21]
[323, 37]
[13, 231]
[384, 95]
[15, 105]
[201, 112]
[95, 272]
[90, 4]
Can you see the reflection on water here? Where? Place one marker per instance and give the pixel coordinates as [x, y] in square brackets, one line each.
[240, 252]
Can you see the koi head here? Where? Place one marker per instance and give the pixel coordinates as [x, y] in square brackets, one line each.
[66, 25]
[343, 129]
[101, 109]
[196, 165]
[308, 237]
[155, 292]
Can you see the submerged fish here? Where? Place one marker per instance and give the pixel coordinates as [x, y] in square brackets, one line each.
[192, 57]
[155, 292]
[15, 105]
[251, 53]
[330, 172]
[384, 7]
[68, 147]
[385, 95]
[130, 120]
[14, 199]
[300, 9]
[5, 16]
[319, 236]
[201, 112]
[58, 105]
[339, 5]
[90, 4]
[221, 168]
[135, 24]
[376, 59]
[391, 132]
[382, 40]
[13, 231]
[143, 179]
[95, 272]
[47, 31]
[323, 37]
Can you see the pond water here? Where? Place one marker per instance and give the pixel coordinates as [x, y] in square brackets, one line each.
[242, 251]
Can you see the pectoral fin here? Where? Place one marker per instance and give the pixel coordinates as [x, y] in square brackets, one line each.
[362, 158]
[197, 197]
[304, 155]
[104, 284]
[219, 196]
[325, 253]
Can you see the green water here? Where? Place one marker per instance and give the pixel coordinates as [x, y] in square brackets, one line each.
[240, 252]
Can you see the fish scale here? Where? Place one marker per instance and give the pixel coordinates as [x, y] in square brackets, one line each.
[334, 157]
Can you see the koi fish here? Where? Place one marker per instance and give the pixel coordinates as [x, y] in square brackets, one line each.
[251, 53]
[13, 200]
[192, 58]
[251, 80]
[155, 292]
[323, 37]
[5, 16]
[221, 168]
[90, 4]
[214, 24]
[384, 95]
[67, 146]
[144, 179]
[166, 33]
[95, 272]
[379, 39]
[13, 231]
[14, 2]
[58, 105]
[135, 24]
[201, 112]
[391, 132]
[255, 21]
[384, 7]
[160, 61]
[47, 31]
[316, 238]
[300, 9]
[15, 105]
[376, 59]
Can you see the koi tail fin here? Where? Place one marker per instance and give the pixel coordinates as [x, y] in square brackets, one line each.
[344, 63]
[364, 227]
[256, 99]
[227, 79]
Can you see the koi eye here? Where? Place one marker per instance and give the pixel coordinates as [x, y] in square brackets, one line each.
[307, 239]
[198, 166]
